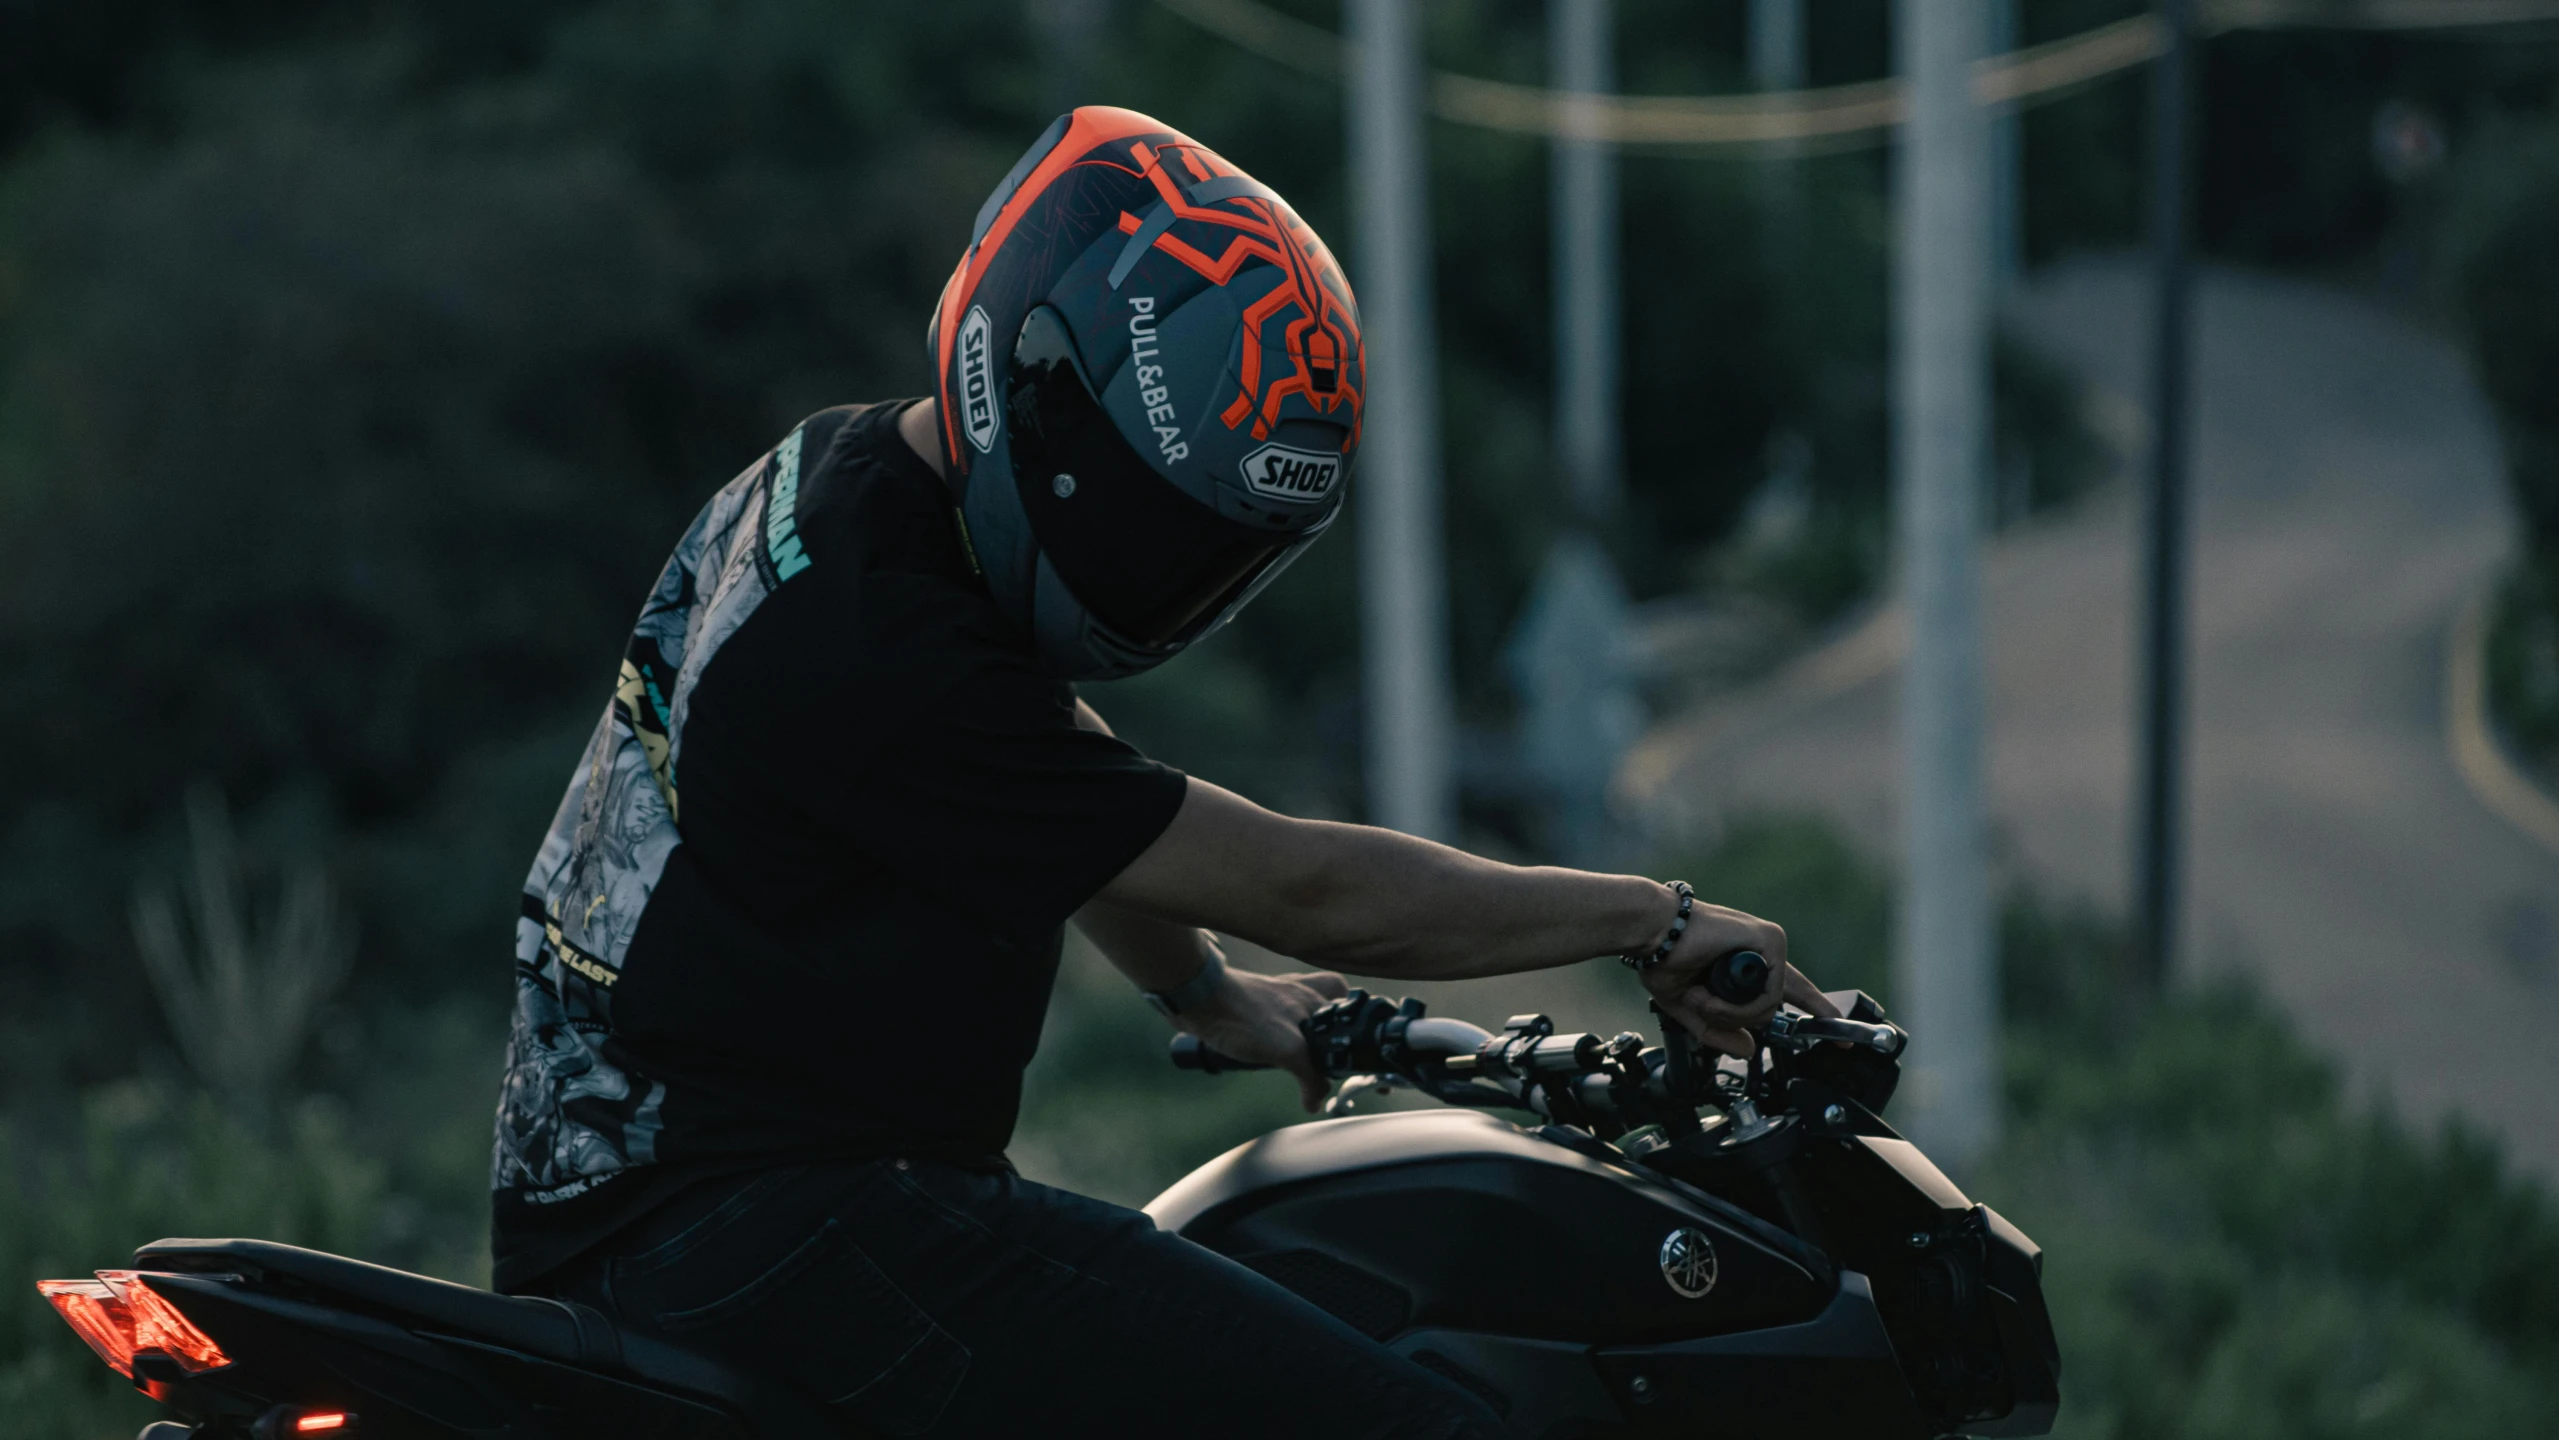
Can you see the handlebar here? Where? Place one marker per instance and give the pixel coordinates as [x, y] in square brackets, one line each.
[1444, 1037]
[1439, 1038]
[1190, 1054]
[1737, 977]
[1608, 1086]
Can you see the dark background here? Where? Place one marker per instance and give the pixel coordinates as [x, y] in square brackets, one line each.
[360, 362]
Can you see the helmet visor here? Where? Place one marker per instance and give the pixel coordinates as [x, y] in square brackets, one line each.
[1149, 562]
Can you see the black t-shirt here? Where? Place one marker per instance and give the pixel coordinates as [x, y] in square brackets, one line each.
[805, 893]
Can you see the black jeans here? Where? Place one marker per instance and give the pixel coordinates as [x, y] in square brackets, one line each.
[907, 1297]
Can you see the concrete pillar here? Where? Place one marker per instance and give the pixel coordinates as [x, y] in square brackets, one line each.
[1945, 979]
[1776, 45]
[1403, 580]
[1585, 211]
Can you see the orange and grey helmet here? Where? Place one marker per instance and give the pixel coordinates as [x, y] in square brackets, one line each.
[1150, 380]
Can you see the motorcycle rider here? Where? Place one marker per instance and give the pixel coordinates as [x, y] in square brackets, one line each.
[843, 800]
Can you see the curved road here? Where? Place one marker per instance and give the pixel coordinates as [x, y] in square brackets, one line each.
[2348, 504]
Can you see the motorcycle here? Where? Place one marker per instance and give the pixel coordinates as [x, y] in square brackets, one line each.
[1678, 1244]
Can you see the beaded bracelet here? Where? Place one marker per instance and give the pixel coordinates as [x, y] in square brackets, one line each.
[1678, 927]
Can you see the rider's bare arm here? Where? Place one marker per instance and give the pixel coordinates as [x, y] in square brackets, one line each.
[1381, 903]
[1249, 1016]
[1376, 902]
[1155, 954]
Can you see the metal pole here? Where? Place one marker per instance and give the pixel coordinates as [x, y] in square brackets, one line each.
[2007, 164]
[1584, 199]
[1941, 372]
[1776, 44]
[1403, 585]
[2155, 884]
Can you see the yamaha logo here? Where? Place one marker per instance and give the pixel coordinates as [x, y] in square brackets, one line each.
[1688, 1262]
[977, 379]
[1283, 473]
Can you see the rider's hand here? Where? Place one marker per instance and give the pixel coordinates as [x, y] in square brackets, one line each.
[1678, 983]
[1254, 1018]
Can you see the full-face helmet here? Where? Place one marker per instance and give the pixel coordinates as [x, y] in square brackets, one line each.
[1150, 381]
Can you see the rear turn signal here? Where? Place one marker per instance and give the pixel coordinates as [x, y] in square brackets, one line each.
[121, 1316]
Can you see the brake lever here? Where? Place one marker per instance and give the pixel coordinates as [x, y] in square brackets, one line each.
[1344, 1098]
[1802, 1031]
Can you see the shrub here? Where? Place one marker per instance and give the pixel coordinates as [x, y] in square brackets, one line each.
[2232, 1250]
[145, 1162]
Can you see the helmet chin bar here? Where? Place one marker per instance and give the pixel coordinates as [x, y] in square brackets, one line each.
[1072, 645]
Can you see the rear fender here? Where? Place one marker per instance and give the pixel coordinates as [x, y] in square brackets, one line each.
[288, 1351]
[407, 1385]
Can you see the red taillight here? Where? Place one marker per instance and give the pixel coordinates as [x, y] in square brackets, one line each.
[98, 1315]
[121, 1316]
[318, 1421]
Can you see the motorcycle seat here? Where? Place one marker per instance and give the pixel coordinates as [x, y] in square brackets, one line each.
[560, 1331]
[551, 1329]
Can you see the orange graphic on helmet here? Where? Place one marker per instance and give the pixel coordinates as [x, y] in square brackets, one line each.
[1322, 333]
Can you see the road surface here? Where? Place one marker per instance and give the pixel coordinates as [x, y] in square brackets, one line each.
[2348, 504]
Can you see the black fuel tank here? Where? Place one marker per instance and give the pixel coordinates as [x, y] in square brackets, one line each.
[1455, 1219]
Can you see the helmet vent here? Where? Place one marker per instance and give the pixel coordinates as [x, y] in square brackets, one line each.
[1158, 220]
[1322, 355]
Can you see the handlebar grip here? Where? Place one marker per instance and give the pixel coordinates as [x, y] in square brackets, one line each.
[1190, 1054]
[1737, 977]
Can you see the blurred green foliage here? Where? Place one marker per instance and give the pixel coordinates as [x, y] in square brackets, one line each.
[357, 368]
[359, 363]
[2233, 1251]
[145, 1161]
[356, 365]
